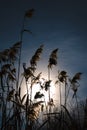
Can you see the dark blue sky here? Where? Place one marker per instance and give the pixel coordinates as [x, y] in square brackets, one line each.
[56, 24]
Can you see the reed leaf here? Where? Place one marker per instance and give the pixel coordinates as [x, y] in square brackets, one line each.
[38, 95]
[23, 98]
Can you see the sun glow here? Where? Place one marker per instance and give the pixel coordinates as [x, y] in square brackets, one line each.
[54, 91]
[37, 88]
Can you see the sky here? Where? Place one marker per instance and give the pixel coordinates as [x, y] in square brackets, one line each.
[56, 24]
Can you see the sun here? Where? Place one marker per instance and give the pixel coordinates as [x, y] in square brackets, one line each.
[37, 88]
[54, 93]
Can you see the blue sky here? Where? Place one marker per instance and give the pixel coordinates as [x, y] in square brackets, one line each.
[56, 24]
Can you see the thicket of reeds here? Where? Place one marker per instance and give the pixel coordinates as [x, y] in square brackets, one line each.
[25, 113]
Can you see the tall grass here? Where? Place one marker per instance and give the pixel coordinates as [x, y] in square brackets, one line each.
[22, 112]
